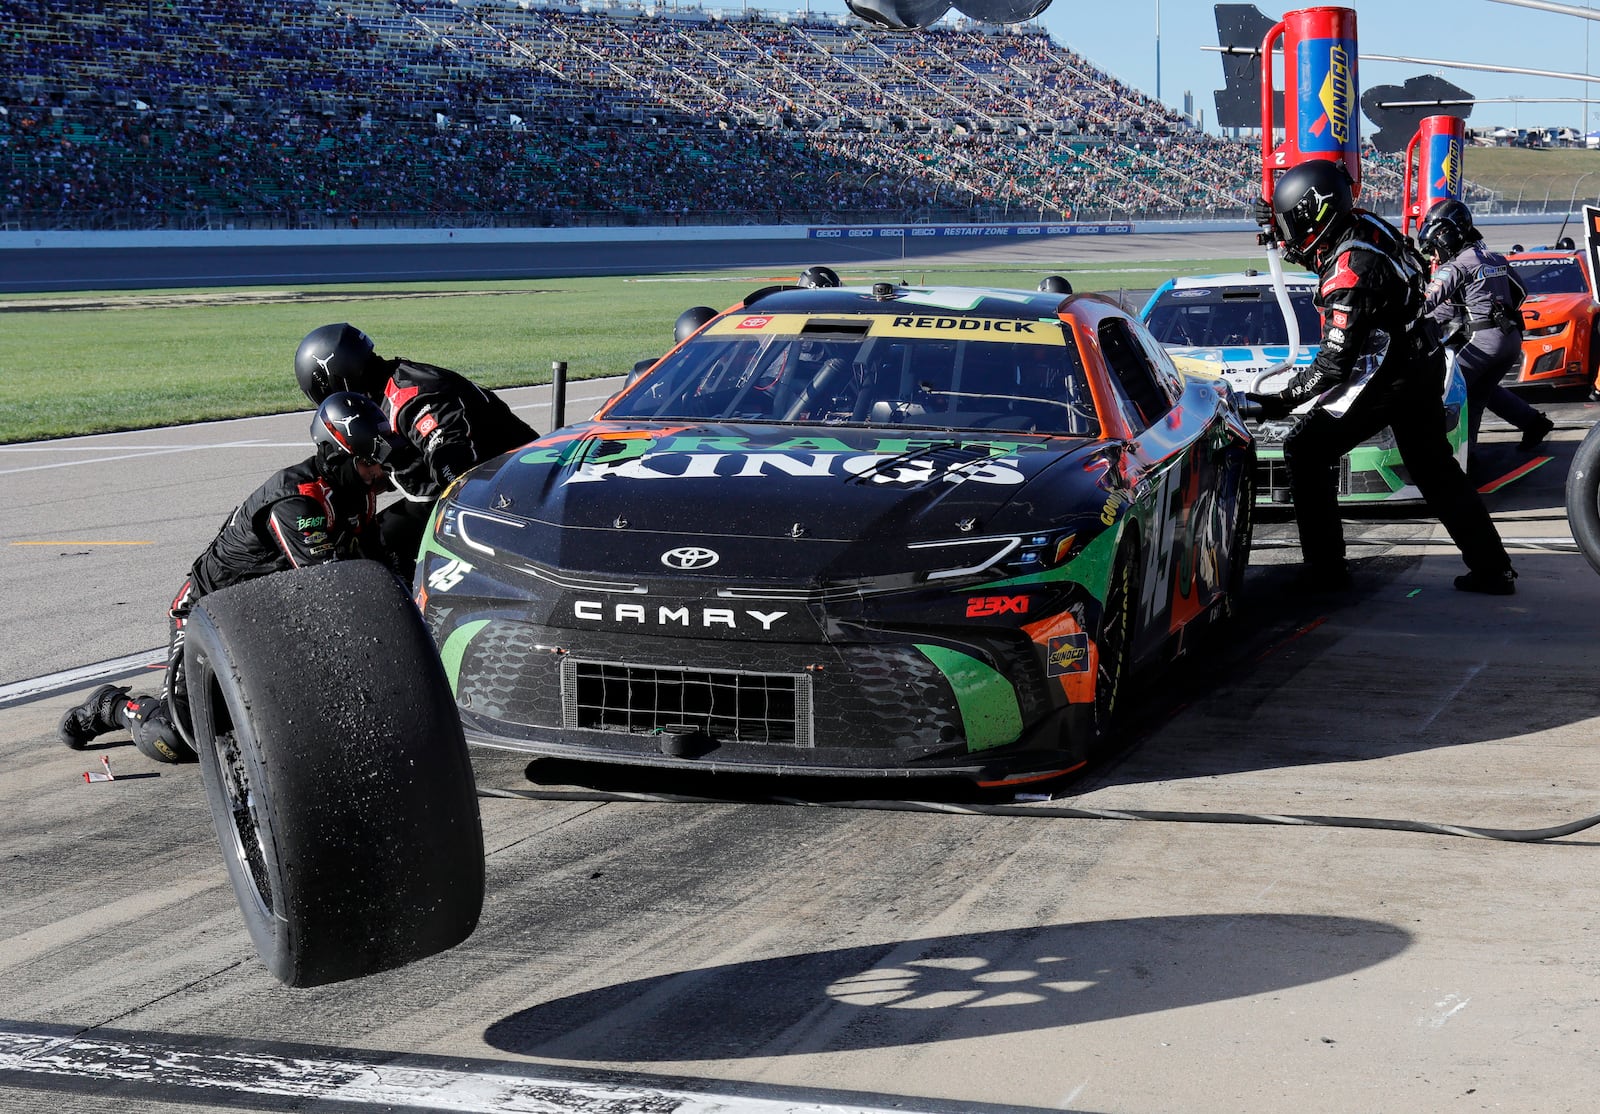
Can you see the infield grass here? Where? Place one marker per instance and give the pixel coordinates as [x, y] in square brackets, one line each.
[100, 361]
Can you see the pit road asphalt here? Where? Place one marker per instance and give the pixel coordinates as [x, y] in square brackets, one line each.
[769, 957]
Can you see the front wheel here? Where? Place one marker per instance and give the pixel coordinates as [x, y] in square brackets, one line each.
[338, 778]
[1583, 497]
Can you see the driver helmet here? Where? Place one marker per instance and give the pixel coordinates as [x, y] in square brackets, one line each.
[818, 278]
[689, 322]
[335, 358]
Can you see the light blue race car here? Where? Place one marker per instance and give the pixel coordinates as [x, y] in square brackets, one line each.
[1231, 325]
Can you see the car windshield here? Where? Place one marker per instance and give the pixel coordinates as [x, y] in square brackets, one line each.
[1201, 317]
[1550, 276]
[879, 370]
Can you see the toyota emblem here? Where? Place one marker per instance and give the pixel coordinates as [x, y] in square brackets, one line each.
[690, 557]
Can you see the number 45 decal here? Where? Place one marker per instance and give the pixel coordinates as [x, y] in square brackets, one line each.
[447, 576]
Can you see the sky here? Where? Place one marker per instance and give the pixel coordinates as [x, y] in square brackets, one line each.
[1120, 36]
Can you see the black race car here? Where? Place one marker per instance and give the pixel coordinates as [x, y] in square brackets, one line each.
[856, 530]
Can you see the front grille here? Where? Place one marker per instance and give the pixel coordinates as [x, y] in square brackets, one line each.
[1549, 362]
[847, 695]
[728, 705]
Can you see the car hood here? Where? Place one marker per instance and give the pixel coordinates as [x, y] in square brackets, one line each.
[781, 502]
[1240, 364]
[1548, 309]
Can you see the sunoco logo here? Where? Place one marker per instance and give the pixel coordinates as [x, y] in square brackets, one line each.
[1336, 93]
[1448, 166]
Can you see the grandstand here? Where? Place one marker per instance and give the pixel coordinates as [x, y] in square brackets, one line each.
[316, 113]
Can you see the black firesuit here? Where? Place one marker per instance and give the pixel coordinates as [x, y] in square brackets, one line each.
[300, 516]
[1377, 366]
[453, 424]
[1471, 296]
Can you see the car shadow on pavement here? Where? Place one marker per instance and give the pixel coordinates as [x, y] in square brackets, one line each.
[946, 988]
[1399, 663]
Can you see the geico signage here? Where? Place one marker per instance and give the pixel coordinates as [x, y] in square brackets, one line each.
[663, 615]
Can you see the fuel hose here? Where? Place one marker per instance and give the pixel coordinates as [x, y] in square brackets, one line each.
[1291, 323]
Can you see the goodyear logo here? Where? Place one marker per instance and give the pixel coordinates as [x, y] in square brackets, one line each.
[1444, 165]
[1108, 513]
[1328, 94]
[1068, 653]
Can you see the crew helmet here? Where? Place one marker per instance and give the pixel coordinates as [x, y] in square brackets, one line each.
[689, 322]
[818, 278]
[1308, 203]
[334, 358]
[349, 426]
[1446, 229]
[1055, 284]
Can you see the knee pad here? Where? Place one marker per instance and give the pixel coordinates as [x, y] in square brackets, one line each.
[153, 732]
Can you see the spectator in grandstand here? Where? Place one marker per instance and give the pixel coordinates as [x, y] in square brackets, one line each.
[449, 421]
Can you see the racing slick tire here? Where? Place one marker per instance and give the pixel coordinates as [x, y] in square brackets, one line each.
[336, 771]
[1583, 497]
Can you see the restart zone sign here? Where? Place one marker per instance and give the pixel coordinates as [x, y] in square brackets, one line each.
[963, 231]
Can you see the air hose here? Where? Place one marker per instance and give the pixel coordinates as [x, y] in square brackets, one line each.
[1057, 812]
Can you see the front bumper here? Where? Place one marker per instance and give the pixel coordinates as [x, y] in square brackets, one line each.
[853, 708]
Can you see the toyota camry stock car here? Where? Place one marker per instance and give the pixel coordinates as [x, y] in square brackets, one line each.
[849, 531]
[1231, 325]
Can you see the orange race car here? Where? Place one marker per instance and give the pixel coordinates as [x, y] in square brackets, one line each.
[1558, 319]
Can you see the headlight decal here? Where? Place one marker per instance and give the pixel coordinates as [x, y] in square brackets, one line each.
[433, 546]
[990, 714]
[1090, 568]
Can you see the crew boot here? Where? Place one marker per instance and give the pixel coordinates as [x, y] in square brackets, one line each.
[1536, 433]
[95, 716]
[1503, 583]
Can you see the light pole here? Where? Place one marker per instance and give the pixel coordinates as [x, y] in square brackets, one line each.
[1158, 50]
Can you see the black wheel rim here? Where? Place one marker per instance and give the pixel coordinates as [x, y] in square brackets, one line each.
[243, 836]
[249, 849]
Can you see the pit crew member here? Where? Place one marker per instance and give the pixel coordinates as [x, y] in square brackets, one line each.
[319, 510]
[1377, 366]
[450, 422]
[1472, 299]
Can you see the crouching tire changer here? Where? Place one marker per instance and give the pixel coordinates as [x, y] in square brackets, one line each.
[336, 772]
